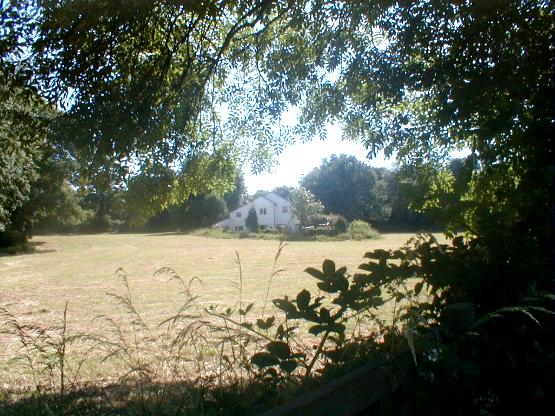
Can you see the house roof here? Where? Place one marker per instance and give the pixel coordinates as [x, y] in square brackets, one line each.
[274, 198]
[270, 196]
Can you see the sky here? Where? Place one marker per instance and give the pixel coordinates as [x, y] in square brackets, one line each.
[299, 159]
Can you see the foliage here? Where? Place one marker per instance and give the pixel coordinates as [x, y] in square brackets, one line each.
[53, 203]
[404, 192]
[340, 225]
[258, 194]
[251, 221]
[304, 205]
[349, 187]
[416, 79]
[124, 90]
[133, 88]
[236, 197]
[317, 220]
[23, 118]
[441, 192]
[148, 192]
[283, 191]
[309, 235]
[361, 230]
[473, 353]
[342, 300]
[495, 364]
[401, 86]
[202, 210]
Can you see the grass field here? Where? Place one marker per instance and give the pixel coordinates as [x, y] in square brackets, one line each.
[81, 269]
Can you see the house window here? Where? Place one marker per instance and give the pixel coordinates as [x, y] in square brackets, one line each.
[262, 227]
[238, 214]
[284, 209]
[239, 228]
[263, 211]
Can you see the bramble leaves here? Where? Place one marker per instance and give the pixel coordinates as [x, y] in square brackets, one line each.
[264, 359]
[314, 273]
[279, 349]
[328, 267]
[303, 300]
[246, 310]
[288, 366]
[265, 324]
[286, 306]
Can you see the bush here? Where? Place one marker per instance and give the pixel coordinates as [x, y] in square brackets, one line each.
[317, 231]
[252, 221]
[341, 225]
[318, 220]
[361, 230]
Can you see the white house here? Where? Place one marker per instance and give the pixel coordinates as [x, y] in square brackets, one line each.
[273, 212]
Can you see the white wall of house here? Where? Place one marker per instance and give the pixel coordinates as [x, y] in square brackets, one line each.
[273, 213]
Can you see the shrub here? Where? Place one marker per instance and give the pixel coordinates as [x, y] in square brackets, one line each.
[252, 221]
[317, 231]
[341, 225]
[361, 230]
[318, 220]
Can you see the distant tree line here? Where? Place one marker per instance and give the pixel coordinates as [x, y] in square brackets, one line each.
[388, 199]
[60, 200]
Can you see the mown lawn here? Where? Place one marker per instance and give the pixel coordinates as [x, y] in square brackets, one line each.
[81, 269]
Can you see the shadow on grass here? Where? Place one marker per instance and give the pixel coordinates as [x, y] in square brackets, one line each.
[135, 398]
[29, 248]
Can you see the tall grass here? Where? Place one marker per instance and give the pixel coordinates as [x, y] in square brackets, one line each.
[188, 363]
[195, 361]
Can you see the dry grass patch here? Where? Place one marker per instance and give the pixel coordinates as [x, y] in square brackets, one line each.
[80, 270]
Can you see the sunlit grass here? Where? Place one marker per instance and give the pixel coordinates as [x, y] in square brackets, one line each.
[81, 270]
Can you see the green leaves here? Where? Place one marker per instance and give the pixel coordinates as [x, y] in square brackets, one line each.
[286, 306]
[246, 310]
[288, 366]
[279, 349]
[303, 300]
[277, 353]
[314, 273]
[304, 205]
[265, 324]
[328, 267]
[331, 327]
[264, 359]
[331, 280]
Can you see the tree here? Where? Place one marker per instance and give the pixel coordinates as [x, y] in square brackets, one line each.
[349, 187]
[23, 119]
[53, 203]
[147, 193]
[259, 193]
[419, 79]
[304, 205]
[235, 198]
[413, 78]
[283, 191]
[404, 190]
[252, 221]
[136, 84]
[201, 211]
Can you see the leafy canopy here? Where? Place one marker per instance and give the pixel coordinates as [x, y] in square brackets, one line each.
[349, 187]
[304, 205]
